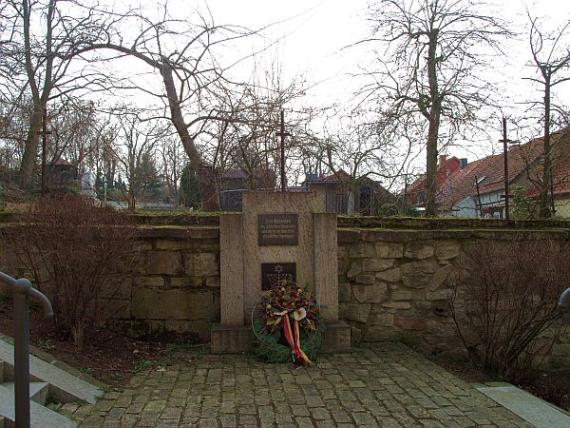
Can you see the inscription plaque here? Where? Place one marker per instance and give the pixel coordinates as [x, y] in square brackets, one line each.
[278, 229]
[273, 273]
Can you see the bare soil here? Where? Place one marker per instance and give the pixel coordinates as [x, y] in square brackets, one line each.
[109, 357]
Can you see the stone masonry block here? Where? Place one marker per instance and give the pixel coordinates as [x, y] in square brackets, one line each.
[399, 295]
[376, 265]
[149, 281]
[213, 281]
[116, 289]
[358, 312]
[382, 320]
[163, 262]
[174, 244]
[418, 250]
[397, 305]
[446, 250]
[173, 304]
[362, 250]
[389, 250]
[365, 279]
[391, 275]
[355, 269]
[343, 264]
[440, 277]
[410, 323]
[201, 264]
[443, 294]
[417, 274]
[180, 282]
[369, 294]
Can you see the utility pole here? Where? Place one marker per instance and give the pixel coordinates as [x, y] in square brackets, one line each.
[478, 197]
[506, 167]
[405, 199]
[283, 134]
[44, 132]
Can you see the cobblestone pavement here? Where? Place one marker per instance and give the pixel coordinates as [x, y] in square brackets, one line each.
[385, 385]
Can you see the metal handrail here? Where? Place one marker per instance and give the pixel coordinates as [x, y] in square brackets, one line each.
[564, 302]
[22, 289]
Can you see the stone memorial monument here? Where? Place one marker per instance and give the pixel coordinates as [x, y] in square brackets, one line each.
[278, 235]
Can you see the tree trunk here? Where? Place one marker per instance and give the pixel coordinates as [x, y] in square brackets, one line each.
[544, 199]
[32, 139]
[204, 180]
[31, 148]
[131, 200]
[431, 164]
[176, 115]
[433, 131]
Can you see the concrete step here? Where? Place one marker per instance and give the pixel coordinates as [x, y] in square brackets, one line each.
[40, 416]
[2, 376]
[64, 387]
[530, 408]
[39, 391]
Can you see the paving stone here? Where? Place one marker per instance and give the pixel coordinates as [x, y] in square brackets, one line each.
[384, 384]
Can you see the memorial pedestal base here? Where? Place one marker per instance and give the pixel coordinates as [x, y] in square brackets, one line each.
[235, 340]
[230, 339]
[337, 338]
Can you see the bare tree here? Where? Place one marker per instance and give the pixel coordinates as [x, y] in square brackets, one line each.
[173, 160]
[14, 119]
[43, 40]
[551, 63]
[72, 127]
[433, 51]
[136, 154]
[183, 52]
[251, 140]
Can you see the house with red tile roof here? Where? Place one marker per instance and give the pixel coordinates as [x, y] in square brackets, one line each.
[560, 175]
[477, 190]
[415, 193]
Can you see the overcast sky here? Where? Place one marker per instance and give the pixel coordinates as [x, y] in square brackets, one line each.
[308, 39]
[316, 31]
[312, 40]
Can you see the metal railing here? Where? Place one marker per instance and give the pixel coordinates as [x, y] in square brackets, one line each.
[22, 289]
[564, 302]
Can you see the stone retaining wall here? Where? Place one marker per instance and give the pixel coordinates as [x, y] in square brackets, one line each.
[175, 285]
[392, 282]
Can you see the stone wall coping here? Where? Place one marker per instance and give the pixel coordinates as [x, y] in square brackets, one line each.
[343, 221]
[353, 235]
[177, 232]
[176, 219]
[363, 222]
[447, 223]
[347, 235]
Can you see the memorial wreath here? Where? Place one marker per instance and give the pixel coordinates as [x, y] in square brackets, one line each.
[286, 324]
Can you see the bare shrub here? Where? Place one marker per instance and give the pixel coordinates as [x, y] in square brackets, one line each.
[505, 298]
[78, 252]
